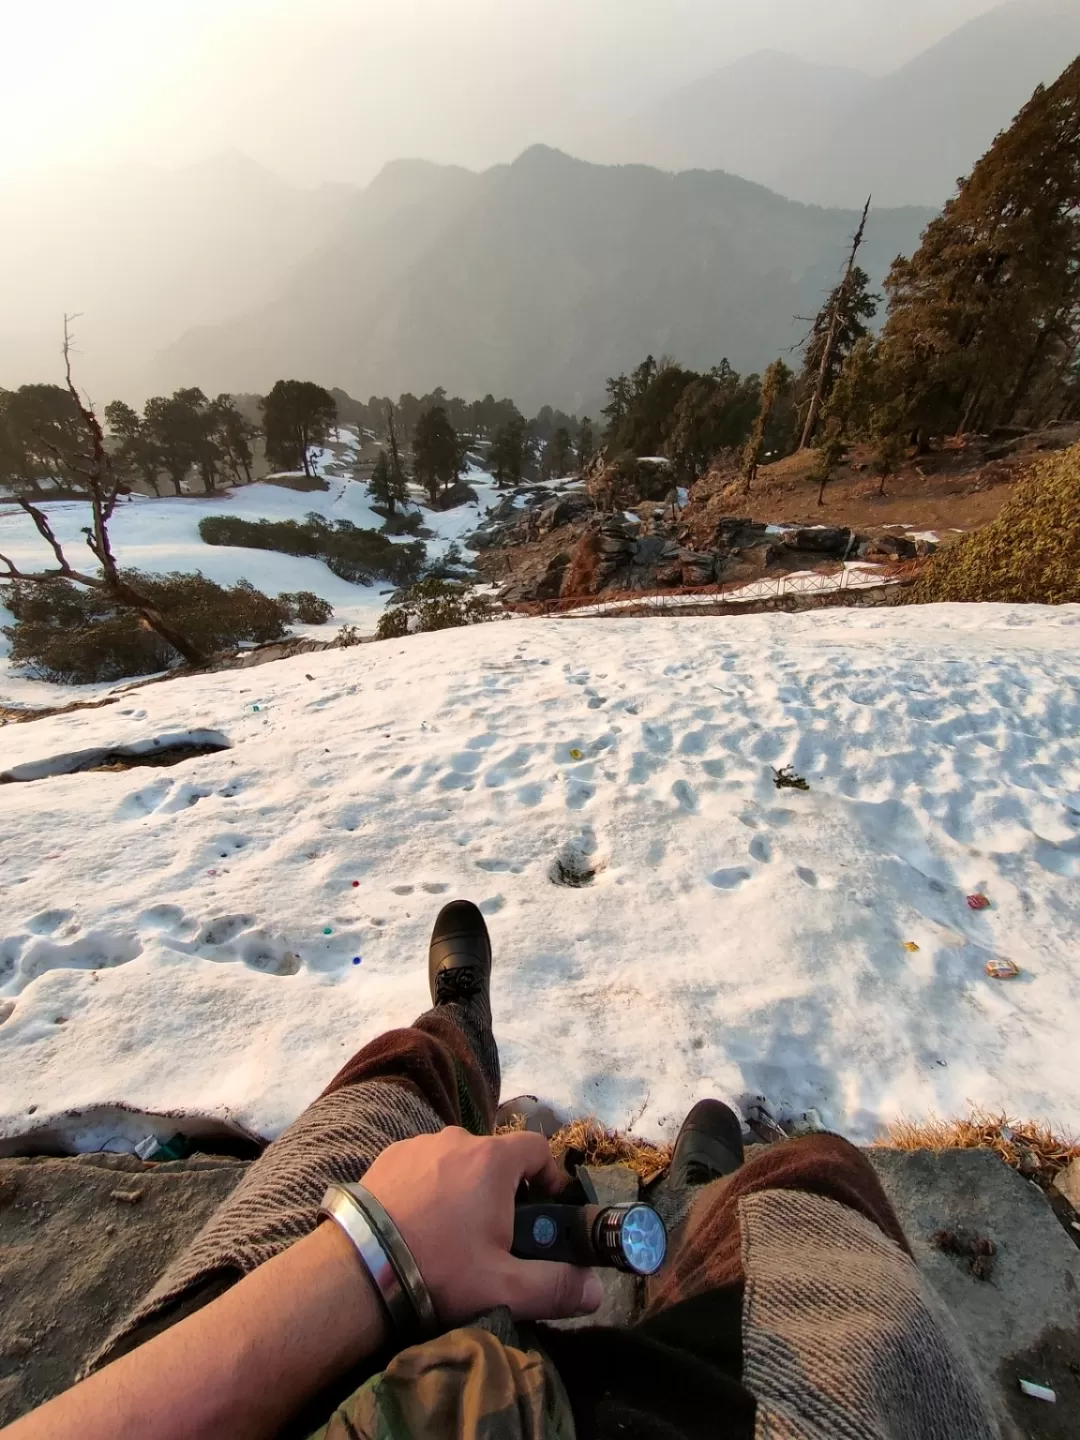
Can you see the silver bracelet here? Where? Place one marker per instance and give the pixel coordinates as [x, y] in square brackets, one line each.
[385, 1256]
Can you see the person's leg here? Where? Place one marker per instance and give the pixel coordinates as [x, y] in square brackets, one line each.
[442, 1070]
[708, 1249]
[790, 1301]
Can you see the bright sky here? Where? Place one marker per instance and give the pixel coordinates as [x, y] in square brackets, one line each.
[331, 89]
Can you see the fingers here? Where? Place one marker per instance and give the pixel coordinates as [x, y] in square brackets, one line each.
[529, 1157]
[545, 1290]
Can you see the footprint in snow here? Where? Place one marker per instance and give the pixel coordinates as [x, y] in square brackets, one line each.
[47, 921]
[730, 879]
[684, 795]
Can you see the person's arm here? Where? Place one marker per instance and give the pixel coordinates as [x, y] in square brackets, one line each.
[245, 1363]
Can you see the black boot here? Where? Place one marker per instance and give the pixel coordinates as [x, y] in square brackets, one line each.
[709, 1145]
[459, 956]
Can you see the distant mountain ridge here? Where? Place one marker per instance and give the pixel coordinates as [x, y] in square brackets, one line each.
[831, 137]
[539, 279]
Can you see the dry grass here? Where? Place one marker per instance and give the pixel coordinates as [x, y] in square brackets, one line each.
[606, 1147]
[613, 1147]
[1026, 1145]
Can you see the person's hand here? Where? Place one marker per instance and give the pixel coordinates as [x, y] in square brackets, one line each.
[452, 1197]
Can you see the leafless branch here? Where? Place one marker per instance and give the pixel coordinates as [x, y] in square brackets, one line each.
[46, 532]
[65, 570]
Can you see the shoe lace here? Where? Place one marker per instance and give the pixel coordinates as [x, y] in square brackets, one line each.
[459, 982]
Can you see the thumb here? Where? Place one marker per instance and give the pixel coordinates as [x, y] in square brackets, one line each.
[547, 1290]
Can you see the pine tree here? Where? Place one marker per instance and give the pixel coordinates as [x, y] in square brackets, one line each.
[385, 488]
[829, 452]
[233, 435]
[558, 455]
[436, 452]
[619, 395]
[853, 306]
[511, 453]
[984, 323]
[777, 379]
[41, 441]
[298, 416]
[831, 320]
[712, 413]
[586, 443]
[399, 484]
[136, 455]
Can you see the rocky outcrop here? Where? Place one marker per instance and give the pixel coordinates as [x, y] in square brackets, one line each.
[454, 495]
[526, 515]
[835, 541]
[616, 552]
[625, 481]
[892, 547]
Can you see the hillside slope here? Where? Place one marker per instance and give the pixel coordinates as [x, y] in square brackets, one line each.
[220, 936]
[540, 279]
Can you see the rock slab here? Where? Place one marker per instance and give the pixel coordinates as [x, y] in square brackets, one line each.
[1024, 1321]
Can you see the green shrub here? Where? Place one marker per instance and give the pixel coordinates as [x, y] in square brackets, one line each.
[360, 556]
[433, 604]
[306, 607]
[400, 522]
[451, 566]
[66, 633]
[1029, 555]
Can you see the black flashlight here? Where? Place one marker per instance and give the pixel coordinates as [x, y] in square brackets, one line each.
[630, 1237]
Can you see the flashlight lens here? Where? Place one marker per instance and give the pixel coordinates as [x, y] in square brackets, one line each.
[643, 1239]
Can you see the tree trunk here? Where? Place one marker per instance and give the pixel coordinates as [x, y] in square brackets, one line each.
[830, 339]
[124, 594]
[1021, 385]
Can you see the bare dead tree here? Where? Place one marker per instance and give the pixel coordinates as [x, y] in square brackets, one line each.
[102, 485]
[833, 334]
[396, 467]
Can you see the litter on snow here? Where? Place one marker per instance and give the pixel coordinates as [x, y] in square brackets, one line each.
[978, 902]
[1038, 1392]
[1002, 970]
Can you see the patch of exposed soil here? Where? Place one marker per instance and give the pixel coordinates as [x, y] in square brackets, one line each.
[80, 1242]
[959, 487]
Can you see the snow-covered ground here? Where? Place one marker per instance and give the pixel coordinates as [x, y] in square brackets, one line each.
[187, 939]
[160, 536]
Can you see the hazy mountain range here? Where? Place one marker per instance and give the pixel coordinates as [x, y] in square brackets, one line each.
[535, 279]
[539, 279]
[831, 136]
